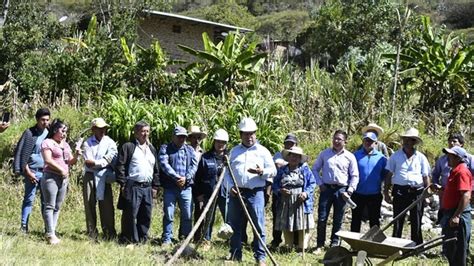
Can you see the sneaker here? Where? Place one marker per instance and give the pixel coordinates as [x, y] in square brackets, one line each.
[166, 245]
[53, 240]
[24, 229]
[318, 251]
[334, 244]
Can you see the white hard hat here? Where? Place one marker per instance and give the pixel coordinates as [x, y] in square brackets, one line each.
[221, 134]
[247, 125]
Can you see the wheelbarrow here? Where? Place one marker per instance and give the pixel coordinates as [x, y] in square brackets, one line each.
[376, 244]
[391, 249]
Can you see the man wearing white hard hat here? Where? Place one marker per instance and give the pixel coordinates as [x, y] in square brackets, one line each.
[252, 165]
[409, 174]
[99, 152]
[209, 169]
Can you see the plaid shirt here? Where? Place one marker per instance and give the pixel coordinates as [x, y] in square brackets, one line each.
[176, 162]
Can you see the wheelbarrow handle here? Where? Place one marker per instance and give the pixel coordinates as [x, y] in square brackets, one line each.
[428, 191]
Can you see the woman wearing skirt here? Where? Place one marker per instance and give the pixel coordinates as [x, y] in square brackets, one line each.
[295, 185]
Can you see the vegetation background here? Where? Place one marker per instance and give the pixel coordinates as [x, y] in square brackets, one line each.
[397, 63]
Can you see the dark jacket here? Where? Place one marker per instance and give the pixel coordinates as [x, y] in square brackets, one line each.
[123, 162]
[207, 175]
[24, 149]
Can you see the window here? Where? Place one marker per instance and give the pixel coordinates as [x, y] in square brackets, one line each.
[176, 28]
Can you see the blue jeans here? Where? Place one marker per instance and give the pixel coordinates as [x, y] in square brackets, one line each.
[185, 199]
[328, 198]
[457, 251]
[255, 202]
[29, 198]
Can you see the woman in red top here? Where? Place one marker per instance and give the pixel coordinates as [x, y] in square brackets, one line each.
[456, 221]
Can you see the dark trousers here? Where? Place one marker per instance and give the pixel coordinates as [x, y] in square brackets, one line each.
[372, 203]
[106, 208]
[205, 229]
[402, 197]
[276, 234]
[328, 198]
[457, 251]
[136, 215]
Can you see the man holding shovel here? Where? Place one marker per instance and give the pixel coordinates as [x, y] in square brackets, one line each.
[252, 165]
[409, 174]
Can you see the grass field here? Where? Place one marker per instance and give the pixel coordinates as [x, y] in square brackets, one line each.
[75, 248]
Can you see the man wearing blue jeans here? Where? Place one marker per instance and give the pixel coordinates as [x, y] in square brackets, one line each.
[29, 163]
[252, 165]
[337, 176]
[178, 165]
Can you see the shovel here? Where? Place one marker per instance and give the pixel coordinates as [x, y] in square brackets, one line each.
[376, 234]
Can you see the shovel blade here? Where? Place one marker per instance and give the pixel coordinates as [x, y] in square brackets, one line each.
[374, 234]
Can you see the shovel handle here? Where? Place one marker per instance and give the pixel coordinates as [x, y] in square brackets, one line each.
[428, 191]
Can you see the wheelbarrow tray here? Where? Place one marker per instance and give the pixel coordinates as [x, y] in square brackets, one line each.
[387, 248]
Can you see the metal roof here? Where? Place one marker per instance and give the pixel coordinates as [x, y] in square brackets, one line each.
[164, 14]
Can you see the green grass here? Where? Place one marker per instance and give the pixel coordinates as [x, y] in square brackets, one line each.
[76, 248]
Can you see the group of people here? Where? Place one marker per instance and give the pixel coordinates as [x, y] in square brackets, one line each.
[189, 175]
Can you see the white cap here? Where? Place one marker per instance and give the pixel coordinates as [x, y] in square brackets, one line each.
[221, 134]
[247, 125]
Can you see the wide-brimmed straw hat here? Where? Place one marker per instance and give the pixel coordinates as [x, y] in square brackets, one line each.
[413, 134]
[373, 126]
[295, 150]
[195, 130]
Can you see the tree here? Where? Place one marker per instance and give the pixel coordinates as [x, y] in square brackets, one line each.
[228, 13]
[284, 25]
[339, 24]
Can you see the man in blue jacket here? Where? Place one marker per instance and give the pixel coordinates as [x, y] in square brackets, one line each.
[371, 164]
[178, 165]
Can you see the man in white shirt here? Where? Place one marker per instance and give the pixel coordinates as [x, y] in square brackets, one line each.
[138, 176]
[253, 166]
[409, 174]
[99, 153]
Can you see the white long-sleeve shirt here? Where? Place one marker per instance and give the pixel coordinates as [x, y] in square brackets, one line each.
[243, 158]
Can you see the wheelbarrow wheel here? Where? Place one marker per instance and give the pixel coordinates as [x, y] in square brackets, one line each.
[337, 256]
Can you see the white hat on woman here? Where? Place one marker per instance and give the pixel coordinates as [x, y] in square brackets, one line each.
[295, 150]
[221, 134]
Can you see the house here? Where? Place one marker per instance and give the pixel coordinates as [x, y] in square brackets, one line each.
[172, 29]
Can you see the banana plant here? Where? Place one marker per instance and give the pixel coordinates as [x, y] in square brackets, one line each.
[225, 64]
[440, 68]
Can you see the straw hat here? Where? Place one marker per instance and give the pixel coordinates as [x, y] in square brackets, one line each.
[195, 130]
[295, 150]
[373, 126]
[413, 134]
[99, 122]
